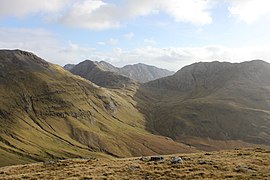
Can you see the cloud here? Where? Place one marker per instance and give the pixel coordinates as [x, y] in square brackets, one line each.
[96, 14]
[174, 58]
[26, 38]
[92, 14]
[19, 8]
[249, 11]
[100, 14]
[111, 42]
[192, 11]
[148, 41]
[129, 35]
[43, 43]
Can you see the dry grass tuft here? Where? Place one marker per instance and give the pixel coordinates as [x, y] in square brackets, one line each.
[235, 164]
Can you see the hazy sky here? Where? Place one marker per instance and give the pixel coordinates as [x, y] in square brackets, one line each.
[165, 33]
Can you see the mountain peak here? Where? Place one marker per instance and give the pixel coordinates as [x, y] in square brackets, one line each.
[139, 72]
[21, 58]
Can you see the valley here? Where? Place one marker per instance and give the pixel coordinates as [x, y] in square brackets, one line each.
[49, 114]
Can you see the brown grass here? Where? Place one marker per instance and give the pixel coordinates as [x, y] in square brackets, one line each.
[234, 164]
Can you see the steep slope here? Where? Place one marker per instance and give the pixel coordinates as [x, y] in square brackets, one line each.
[48, 113]
[205, 104]
[139, 72]
[69, 66]
[99, 74]
[144, 73]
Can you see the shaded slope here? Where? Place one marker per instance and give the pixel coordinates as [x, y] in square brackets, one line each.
[69, 66]
[220, 101]
[98, 72]
[48, 113]
[144, 73]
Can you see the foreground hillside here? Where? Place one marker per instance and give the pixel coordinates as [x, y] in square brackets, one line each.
[48, 113]
[235, 164]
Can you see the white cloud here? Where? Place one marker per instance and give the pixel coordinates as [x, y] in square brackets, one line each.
[174, 58]
[19, 8]
[193, 11]
[96, 14]
[100, 15]
[26, 38]
[149, 41]
[43, 43]
[91, 14]
[250, 11]
[101, 43]
[129, 35]
[111, 42]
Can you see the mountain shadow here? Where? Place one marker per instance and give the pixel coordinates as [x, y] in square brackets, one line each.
[210, 105]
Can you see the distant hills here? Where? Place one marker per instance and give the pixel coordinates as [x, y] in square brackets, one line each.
[46, 112]
[102, 74]
[139, 72]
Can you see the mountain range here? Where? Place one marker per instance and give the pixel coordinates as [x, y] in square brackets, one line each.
[46, 112]
[92, 70]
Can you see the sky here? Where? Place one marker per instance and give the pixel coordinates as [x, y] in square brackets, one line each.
[166, 33]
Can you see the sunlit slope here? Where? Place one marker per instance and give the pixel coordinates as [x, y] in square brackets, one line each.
[205, 104]
[48, 113]
[233, 164]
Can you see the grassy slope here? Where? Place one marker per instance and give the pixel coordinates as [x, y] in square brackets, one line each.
[235, 164]
[48, 113]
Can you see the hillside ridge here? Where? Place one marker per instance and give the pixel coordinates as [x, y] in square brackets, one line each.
[139, 72]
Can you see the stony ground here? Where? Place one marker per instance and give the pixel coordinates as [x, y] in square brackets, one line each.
[234, 164]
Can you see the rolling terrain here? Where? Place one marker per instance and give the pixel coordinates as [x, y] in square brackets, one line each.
[48, 113]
